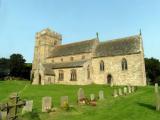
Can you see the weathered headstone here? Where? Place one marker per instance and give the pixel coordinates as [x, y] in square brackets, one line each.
[64, 100]
[0, 115]
[28, 107]
[132, 89]
[92, 97]
[12, 106]
[46, 104]
[81, 94]
[120, 92]
[101, 95]
[115, 94]
[125, 90]
[157, 97]
[129, 89]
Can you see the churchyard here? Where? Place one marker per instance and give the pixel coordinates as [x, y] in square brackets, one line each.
[90, 102]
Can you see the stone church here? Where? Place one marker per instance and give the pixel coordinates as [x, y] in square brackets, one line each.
[115, 62]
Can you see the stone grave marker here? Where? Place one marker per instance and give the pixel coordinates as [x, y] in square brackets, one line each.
[120, 92]
[46, 104]
[133, 89]
[157, 97]
[115, 94]
[101, 95]
[92, 97]
[129, 89]
[0, 115]
[81, 94]
[12, 106]
[125, 90]
[64, 101]
[28, 107]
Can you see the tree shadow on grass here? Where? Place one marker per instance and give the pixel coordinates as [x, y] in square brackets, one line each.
[149, 106]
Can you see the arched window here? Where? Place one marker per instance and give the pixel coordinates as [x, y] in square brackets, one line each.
[61, 59]
[83, 57]
[124, 64]
[88, 72]
[73, 75]
[102, 65]
[61, 75]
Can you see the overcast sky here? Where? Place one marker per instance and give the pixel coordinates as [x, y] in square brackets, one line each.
[77, 20]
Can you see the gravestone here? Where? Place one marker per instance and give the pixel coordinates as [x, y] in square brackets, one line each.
[132, 89]
[0, 115]
[81, 94]
[157, 97]
[101, 95]
[115, 94]
[64, 101]
[129, 89]
[46, 104]
[28, 107]
[12, 106]
[120, 92]
[125, 90]
[92, 97]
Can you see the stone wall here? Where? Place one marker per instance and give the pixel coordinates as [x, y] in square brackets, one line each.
[135, 75]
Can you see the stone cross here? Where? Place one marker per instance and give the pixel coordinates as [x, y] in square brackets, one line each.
[28, 107]
[125, 90]
[81, 94]
[92, 97]
[120, 92]
[101, 95]
[12, 106]
[115, 94]
[157, 97]
[46, 104]
[64, 101]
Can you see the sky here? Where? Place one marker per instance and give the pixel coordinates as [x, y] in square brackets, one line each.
[77, 20]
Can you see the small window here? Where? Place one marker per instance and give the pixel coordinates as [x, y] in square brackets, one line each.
[83, 57]
[73, 75]
[101, 65]
[61, 75]
[55, 42]
[124, 64]
[49, 79]
[52, 61]
[61, 59]
[72, 58]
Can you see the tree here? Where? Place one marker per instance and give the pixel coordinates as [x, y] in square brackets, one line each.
[4, 67]
[153, 70]
[17, 64]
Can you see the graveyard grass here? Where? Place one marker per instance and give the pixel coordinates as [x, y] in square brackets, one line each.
[135, 106]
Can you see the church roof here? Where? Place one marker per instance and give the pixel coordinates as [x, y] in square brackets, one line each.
[72, 64]
[74, 48]
[121, 46]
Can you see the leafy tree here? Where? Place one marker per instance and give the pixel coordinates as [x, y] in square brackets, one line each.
[17, 64]
[152, 70]
[4, 67]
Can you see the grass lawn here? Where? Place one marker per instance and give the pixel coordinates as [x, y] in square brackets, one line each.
[135, 106]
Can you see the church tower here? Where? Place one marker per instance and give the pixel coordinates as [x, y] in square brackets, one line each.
[45, 41]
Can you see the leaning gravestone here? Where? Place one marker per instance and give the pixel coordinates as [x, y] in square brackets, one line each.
[115, 94]
[92, 97]
[28, 107]
[46, 104]
[0, 115]
[120, 92]
[125, 90]
[157, 97]
[81, 95]
[101, 95]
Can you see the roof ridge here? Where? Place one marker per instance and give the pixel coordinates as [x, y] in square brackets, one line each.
[78, 42]
[118, 39]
